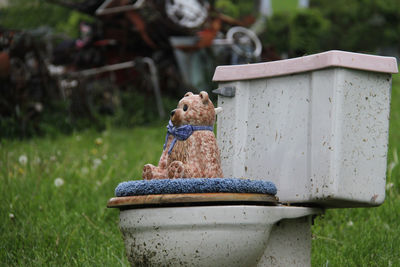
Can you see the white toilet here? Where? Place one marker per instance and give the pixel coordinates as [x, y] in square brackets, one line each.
[316, 126]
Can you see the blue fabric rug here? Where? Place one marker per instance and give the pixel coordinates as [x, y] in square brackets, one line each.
[194, 185]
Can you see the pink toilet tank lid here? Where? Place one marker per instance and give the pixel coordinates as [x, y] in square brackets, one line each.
[333, 58]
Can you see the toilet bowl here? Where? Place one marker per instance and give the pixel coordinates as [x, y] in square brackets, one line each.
[232, 235]
[199, 229]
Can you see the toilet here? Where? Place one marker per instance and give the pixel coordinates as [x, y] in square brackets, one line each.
[316, 127]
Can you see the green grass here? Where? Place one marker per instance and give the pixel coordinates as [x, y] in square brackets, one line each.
[41, 224]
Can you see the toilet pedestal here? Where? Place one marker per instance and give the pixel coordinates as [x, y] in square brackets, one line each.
[289, 244]
[217, 235]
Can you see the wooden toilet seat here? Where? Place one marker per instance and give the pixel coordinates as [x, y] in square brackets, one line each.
[192, 199]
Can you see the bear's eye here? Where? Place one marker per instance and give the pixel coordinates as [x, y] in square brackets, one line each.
[185, 107]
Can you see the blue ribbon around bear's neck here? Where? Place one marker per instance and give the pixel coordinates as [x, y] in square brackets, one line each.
[182, 133]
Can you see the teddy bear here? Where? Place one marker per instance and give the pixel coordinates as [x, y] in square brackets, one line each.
[190, 149]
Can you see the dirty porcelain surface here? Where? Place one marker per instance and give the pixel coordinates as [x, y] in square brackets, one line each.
[315, 126]
[201, 236]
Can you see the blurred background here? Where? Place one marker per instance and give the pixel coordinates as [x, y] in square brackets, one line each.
[68, 65]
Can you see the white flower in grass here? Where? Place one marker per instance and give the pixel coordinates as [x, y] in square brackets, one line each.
[96, 163]
[98, 141]
[23, 159]
[389, 186]
[386, 226]
[58, 182]
[350, 223]
[11, 215]
[37, 160]
[85, 170]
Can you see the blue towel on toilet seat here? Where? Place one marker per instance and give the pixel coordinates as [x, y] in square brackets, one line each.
[194, 185]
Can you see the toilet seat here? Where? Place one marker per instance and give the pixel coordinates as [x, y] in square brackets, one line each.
[192, 199]
[196, 191]
[205, 222]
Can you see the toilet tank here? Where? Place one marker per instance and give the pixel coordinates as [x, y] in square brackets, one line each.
[317, 126]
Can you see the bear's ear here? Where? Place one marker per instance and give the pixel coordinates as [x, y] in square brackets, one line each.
[188, 94]
[204, 97]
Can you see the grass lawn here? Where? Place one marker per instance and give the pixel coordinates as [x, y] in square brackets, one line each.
[42, 224]
[69, 224]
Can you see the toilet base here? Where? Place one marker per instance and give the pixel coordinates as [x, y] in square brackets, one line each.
[222, 235]
[289, 244]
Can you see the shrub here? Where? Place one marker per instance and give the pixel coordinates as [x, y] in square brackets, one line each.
[235, 8]
[303, 32]
[277, 33]
[308, 32]
[363, 25]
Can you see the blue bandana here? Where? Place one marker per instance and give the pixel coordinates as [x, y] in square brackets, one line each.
[182, 133]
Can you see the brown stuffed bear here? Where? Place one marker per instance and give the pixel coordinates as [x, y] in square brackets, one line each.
[190, 149]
